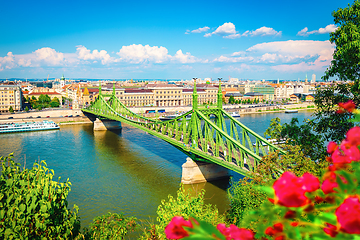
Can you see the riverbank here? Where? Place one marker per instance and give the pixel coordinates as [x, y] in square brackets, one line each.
[61, 116]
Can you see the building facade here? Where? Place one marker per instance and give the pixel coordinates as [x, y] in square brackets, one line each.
[10, 96]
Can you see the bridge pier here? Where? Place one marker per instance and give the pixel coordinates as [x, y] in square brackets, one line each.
[198, 172]
[101, 125]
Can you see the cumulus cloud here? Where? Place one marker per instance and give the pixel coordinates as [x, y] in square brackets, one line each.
[85, 54]
[139, 53]
[49, 56]
[199, 30]
[227, 30]
[7, 61]
[184, 58]
[263, 31]
[328, 29]
[292, 55]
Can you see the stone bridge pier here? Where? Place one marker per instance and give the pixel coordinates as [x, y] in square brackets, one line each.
[101, 125]
[198, 172]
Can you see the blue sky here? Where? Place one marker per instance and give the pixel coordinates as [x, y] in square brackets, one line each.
[166, 39]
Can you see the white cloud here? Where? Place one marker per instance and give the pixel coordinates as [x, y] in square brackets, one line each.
[303, 32]
[7, 61]
[328, 29]
[49, 56]
[139, 53]
[264, 31]
[85, 54]
[233, 59]
[299, 55]
[227, 30]
[184, 58]
[200, 30]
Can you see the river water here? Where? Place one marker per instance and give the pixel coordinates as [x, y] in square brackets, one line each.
[125, 171]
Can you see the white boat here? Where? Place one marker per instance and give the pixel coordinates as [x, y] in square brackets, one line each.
[235, 114]
[291, 111]
[27, 126]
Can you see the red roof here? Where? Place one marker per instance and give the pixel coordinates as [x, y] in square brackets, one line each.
[45, 93]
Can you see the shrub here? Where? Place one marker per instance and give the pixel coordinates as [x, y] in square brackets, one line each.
[110, 226]
[33, 206]
[183, 205]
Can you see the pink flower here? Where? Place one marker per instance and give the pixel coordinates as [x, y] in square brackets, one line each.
[175, 230]
[346, 153]
[290, 190]
[235, 233]
[353, 136]
[330, 230]
[332, 146]
[349, 106]
[329, 183]
[348, 215]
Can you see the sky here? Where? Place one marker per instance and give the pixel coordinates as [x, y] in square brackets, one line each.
[167, 39]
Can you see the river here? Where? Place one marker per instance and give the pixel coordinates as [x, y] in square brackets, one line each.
[125, 171]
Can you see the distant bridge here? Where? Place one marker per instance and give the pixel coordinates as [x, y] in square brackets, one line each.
[201, 133]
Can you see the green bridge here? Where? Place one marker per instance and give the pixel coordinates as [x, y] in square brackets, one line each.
[201, 133]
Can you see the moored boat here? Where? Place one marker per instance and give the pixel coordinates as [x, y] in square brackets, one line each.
[291, 111]
[27, 126]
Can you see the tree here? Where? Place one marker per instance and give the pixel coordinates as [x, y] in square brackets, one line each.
[274, 130]
[346, 57]
[26, 109]
[231, 99]
[44, 99]
[11, 109]
[55, 102]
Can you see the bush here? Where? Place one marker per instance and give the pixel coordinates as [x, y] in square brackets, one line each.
[244, 197]
[110, 226]
[33, 206]
[183, 205]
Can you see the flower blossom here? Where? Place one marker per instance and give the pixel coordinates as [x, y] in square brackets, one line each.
[290, 190]
[349, 106]
[348, 215]
[329, 183]
[235, 233]
[330, 230]
[175, 230]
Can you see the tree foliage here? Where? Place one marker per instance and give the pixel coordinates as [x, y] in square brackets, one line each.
[327, 122]
[11, 109]
[32, 205]
[346, 58]
[274, 130]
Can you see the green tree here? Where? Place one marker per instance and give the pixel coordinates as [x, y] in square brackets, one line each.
[44, 99]
[312, 144]
[26, 109]
[327, 122]
[231, 99]
[32, 205]
[346, 58]
[11, 109]
[55, 102]
[275, 129]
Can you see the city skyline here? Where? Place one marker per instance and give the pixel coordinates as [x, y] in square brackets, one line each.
[164, 40]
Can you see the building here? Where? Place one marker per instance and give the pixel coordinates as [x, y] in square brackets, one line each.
[313, 79]
[10, 96]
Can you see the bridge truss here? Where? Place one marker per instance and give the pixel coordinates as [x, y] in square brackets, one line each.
[202, 133]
